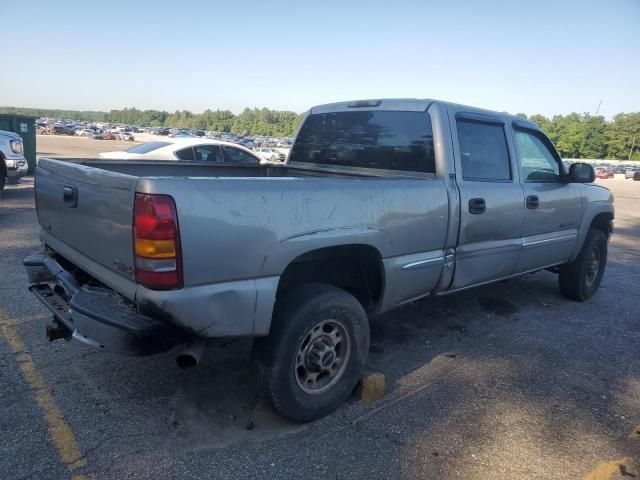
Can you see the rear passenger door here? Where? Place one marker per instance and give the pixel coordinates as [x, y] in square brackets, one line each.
[552, 205]
[492, 209]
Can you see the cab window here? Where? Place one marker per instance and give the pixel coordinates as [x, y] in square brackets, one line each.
[537, 162]
[483, 151]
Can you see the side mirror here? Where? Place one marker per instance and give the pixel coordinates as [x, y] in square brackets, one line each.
[581, 173]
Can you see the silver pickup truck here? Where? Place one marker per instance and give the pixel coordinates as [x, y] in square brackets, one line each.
[380, 203]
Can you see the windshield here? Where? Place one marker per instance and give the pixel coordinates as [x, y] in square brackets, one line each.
[147, 147]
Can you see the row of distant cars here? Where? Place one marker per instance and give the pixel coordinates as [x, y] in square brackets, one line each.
[96, 133]
[605, 171]
[55, 126]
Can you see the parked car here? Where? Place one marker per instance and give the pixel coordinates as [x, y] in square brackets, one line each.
[270, 155]
[630, 173]
[105, 136]
[604, 172]
[126, 136]
[60, 130]
[13, 165]
[85, 132]
[636, 175]
[298, 255]
[190, 149]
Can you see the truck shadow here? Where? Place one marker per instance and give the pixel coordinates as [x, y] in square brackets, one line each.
[217, 403]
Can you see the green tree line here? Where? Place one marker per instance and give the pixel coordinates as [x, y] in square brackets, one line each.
[587, 136]
[574, 135]
[257, 121]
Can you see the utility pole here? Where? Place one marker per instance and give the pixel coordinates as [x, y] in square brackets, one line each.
[598, 109]
[586, 135]
[633, 142]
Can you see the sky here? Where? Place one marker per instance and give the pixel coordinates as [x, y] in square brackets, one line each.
[548, 57]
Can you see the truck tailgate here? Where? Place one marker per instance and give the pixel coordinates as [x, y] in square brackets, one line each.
[89, 210]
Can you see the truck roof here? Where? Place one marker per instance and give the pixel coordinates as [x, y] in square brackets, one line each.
[407, 105]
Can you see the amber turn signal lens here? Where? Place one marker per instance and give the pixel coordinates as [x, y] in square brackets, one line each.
[155, 248]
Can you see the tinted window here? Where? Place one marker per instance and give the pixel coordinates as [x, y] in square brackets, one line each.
[368, 139]
[235, 155]
[208, 153]
[185, 154]
[537, 162]
[147, 147]
[483, 151]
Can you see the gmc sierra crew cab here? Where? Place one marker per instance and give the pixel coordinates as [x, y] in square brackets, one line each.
[380, 203]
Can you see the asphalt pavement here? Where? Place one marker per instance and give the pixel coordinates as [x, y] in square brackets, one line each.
[501, 382]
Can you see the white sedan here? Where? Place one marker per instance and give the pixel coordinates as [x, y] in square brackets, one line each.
[269, 154]
[190, 149]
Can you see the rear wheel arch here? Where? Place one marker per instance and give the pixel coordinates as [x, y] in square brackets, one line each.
[355, 268]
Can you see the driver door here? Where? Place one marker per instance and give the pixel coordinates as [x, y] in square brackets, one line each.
[552, 205]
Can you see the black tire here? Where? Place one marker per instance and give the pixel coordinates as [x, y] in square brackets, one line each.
[580, 279]
[13, 180]
[312, 310]
[2, 177]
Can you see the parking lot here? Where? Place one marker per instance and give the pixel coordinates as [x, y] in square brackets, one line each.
[504, 381]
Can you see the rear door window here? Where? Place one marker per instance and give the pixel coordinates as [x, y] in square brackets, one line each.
[235, 155]
[386, 140]
[208, 153]
[483, 151]
[185, 154]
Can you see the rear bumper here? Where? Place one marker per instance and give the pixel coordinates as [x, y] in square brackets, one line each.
[97, 316]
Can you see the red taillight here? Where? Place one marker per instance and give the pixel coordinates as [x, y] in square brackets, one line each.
[156, 242]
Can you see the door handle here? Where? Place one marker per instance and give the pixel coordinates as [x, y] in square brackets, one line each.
[70, 196]
[533, 202]
[477, 206]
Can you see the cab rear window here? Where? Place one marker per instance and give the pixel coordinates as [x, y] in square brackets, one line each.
[387, 140]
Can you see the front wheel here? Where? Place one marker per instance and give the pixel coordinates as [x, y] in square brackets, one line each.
[580, 279]
[315, 353]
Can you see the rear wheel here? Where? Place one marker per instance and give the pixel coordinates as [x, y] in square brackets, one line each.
[315, 353]
[580, 279]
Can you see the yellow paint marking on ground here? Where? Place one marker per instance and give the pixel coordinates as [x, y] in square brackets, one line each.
[60, 433]
[605, 471]
[19, 321]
